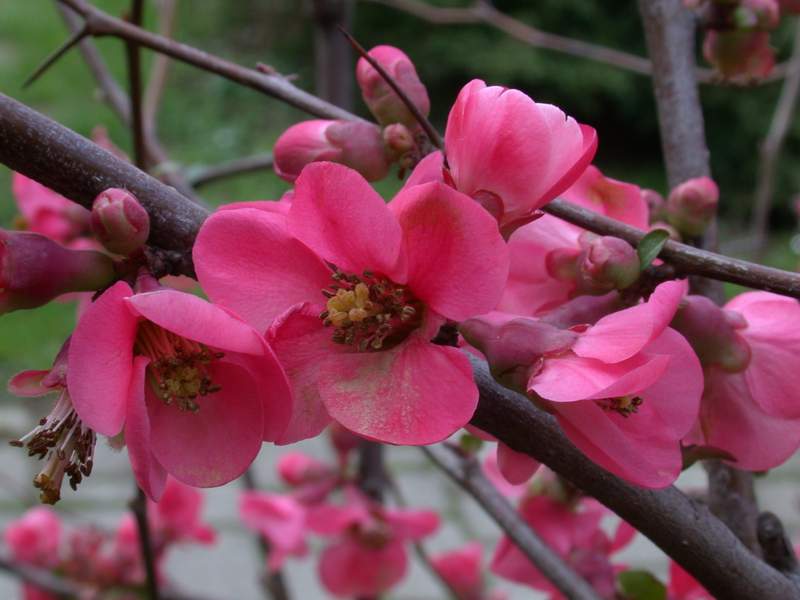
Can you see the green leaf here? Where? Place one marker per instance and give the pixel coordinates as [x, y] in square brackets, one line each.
[641, 585]
[650, 246]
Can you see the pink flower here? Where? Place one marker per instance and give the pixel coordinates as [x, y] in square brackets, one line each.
[378, 95]
[48, 213]
[545, 253]
[35, 538]
[177, 516]
[753, 413]
[740, 55]
[280, 519]
[683, 586]
[574, 533]
[511, 154]
[196, 389]
[312, 480]
[357, 144]
[368, 555]
[392, 275]
[462, 570]
[628, 390]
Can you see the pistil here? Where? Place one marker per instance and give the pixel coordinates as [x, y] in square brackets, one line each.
[623, 405]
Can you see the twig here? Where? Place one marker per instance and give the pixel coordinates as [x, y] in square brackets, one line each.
[75, 38]
[333, 56]
[40, 578]
[133, 59]
[372, 477]
[240, 166]
[272, 581]
[167, 10]
[773, 144]
[430, 131]
[139, 508]
[466, 472]
[100, 23]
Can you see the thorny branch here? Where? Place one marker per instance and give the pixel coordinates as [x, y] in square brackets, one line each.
[466, 472]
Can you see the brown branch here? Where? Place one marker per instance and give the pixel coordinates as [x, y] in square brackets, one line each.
[239, 166]
[139, 509]
[333, 56]
[683, 528]
[272, 581]
[100, 24]
[133, 60]
[466, 472]
[167, 10]
[482, 12]
[772, 145]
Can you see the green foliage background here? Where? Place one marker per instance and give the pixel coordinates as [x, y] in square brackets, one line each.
[205, 119]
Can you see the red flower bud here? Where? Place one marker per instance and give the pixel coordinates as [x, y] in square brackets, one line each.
[692, 205]
[34, 270]
[713, 333]
[739, 54]
[655, 204]
[398, 139]
[357, 144]
[606, 263]
[120, 223]
[381, 99]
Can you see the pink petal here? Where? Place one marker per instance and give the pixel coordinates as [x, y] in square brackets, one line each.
[349, 569]
[616, 199]
[150, 475]
[332, 519]
[451, 243]
[101, 359]
[517, 468]
[491, 470]
[196, 319]
[247, 261]
[648, 458]
[341, 218]
[280, 519]
[623, 536]
[28, 384]
[412, 524]
[302, 344]
[622, 334]
[461, 567]
[427, 170]
[731, 420]
[581, 161]
[217, 443]
[570, 378]
[416, 393]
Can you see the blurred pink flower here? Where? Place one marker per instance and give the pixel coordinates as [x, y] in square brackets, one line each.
[47, 212]
[281, 519]
[462, 569]
[392, 275]
[683, 586]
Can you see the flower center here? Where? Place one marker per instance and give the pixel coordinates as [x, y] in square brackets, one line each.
[624, 405]
[370, 312]
[178, 370]
[67, 445]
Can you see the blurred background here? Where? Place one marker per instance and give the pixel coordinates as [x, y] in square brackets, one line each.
[205, 120]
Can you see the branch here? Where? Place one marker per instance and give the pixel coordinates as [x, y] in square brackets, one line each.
[467, 474]
[683, 528]
[100, 24]
[272, 581]
[139, 509]
[777, 548]
[133, 60]
[239, 166]
[773, 144]
[167, 10]
[484, 12]
[40, 578]
[68, 163]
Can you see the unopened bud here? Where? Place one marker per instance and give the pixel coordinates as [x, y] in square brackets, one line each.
[34, 270]
[296, 469]
[398, 139]
[357, 144]
[513, 344]
[692, 205]
[757, 14]
[562, 263]
[120, 223]
[381, 99]
[742, 55]
[655, 204]
[713, 333]
[607, 263]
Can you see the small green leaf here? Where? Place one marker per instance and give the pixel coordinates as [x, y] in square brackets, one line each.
[641, 585]
[650, 246]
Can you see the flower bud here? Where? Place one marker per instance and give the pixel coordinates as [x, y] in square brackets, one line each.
[398, 139]
[713, 333]
[513, 344]
[757, 14]
[692, 205]
[34, 270]
[740, 54]
[296, 469]
[606, 263]
[378, 95]
[655, 204]
[120, 223]
[357, 144]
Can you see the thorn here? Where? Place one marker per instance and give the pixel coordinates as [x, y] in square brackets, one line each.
[48, 62]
